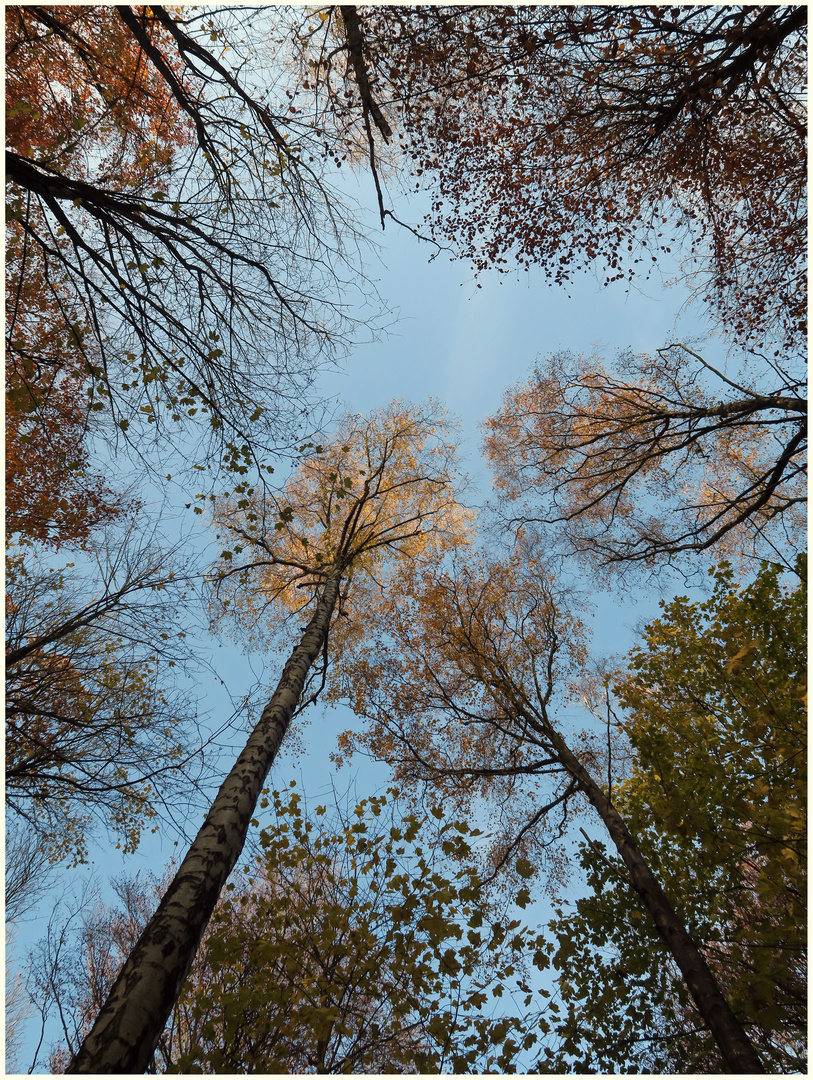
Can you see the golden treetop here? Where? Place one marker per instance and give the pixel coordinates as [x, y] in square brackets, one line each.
[383, 491]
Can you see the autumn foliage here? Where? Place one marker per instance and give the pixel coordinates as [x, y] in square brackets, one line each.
[83, 103]
[383, 492]
[81, 100]
[176, 253]
[51, 494]
[661, 457]
[95, 726]
[459, 652]
[355, 940]
[82, 97]
[572, 138]
[182, 231]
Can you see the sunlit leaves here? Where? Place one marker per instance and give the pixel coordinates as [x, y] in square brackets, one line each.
[660, 457]
[381, 493]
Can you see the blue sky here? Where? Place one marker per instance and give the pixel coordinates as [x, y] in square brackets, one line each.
[465, 345]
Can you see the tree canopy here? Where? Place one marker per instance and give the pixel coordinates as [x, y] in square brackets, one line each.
[183, 235]
[713, 706]
[568, 138]
[182, 261]
[663, 457]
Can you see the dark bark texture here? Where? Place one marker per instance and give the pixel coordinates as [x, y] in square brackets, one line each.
[126, 1031]
[355, 49]
[728, 1033]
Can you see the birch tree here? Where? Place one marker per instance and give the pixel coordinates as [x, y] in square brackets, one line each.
[461, 696]
[381, 493]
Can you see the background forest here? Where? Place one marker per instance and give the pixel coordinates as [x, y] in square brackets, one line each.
[420, 694]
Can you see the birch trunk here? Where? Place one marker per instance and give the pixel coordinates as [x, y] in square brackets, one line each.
[727, 1031]
[127, 1029]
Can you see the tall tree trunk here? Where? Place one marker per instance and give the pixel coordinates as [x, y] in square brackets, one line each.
[126, 1031]
[726, 1029]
